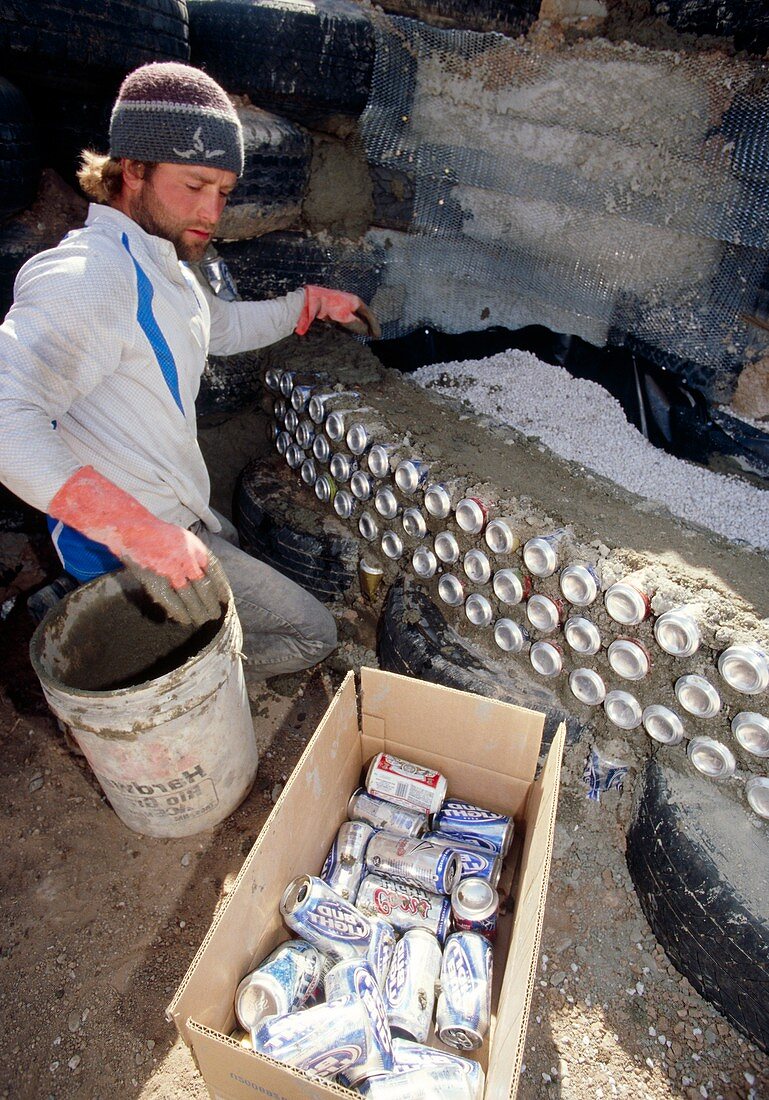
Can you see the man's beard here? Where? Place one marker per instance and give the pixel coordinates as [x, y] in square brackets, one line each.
[152, 220]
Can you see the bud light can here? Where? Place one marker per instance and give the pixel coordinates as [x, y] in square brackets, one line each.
[464, 1004]
[284, 981]
[428, 1083]
[489, 830]
[410, 990]
[410, 1056]
[475, 907]
[355, 978]
[474, 862]
[318, 914]
[382, 814]
[381, 948]
[404, 906]
[405, 783]
[326, 1039]
[413, 860]
[343, 868]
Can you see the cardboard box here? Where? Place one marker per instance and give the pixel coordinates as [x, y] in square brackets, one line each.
[488, 751]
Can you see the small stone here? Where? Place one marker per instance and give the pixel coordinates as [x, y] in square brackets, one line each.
[557, 978]
[36, 783]
[182, 923]
[749, 1078]
[639, 988]
[276, 792]
[150, 1044]
[74, 1061]
[186, 859]
[73, 1021]
[53, 1067]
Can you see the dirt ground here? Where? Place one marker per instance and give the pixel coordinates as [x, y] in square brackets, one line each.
[100, 924]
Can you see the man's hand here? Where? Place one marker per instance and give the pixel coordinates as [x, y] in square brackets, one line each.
[324, 304]
[172, 564]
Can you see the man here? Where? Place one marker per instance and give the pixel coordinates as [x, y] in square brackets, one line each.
[100, 361]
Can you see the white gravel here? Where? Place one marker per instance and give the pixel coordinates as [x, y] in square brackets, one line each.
[582, 422]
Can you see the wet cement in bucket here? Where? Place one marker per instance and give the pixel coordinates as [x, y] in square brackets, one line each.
[124, 640]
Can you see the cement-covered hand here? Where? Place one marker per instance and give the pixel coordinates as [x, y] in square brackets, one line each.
[172, 564]
[324, 304]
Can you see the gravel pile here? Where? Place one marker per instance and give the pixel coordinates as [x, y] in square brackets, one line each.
[582, 422]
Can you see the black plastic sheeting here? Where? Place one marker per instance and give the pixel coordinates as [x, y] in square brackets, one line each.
[668, 413]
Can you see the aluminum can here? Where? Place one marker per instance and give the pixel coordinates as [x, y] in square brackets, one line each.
[287, 382]
[378, 458]
[586, 685]
[477, 566]
[361, 485]
[305, 434]
[361, 435]
[464, 1005]
[327, 1039]
[414, 860]
[582, 635]
[511, 636]
[404, 906]
[343, 866]
[370, 577]
[308, 471]
[345, 504]
[219, 278]
[471, 514]
[677, 633]
[745, 668]
[446, 547]
[317, 913]
[321, 404]
[342, 467]
[392, 545]
[623, 709]
[409, 992]
[492, 831]
[386, 503]
[752, 732]
[380, 952]
[414, 523]
[626, 604]
[427, 1083]
[711, 757]
[295, 456]
[441, 497]
[405, 783]
[368, 526]
[511, 586]
[321, 449]
[663, 724]
[475, 907]
[272, 431]
[300, 397]
[546, 658]
[580, 584]
[424, 562]
[474, 862]
[325, 489]
[697, 696]
[355, 978]
[410, 1056]
[279, 409]
[544, 613]
[478, 610]
[757, 794]
[272, 380]
[451, 590]
[500, 535]
[335, 425]
[283, 982]
[291, 420]
[540, 554]
[410, 475]
[282, 442]
[629, 659]
[381, 814]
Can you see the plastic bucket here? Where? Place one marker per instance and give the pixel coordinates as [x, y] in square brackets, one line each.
[159, 710]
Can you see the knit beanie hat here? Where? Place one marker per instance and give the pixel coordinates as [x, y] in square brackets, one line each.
[171, 113]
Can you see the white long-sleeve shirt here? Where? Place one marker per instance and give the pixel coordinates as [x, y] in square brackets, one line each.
[100, 362]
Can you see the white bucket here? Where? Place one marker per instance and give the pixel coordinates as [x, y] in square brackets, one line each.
[159, 710]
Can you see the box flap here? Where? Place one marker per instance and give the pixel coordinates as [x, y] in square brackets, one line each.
[509, 1035]
[496, 738]
[249, 924]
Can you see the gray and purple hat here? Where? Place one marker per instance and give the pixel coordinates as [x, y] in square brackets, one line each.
[171, 113]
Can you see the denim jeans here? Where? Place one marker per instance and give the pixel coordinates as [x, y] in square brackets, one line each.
[285, 629]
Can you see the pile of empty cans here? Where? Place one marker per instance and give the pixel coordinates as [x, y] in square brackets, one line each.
[394, 946]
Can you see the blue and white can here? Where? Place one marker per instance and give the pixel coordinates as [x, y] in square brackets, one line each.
[414, 860]
[447, 1082]
[355, 978]
[410, 990]
[327, 1039]
[404, 906]
[475, 862]
[492, 831]
[381, 814]
[464, 1005]
[344, 867]
[409, 1056]
[283, 982]
[317, 914]
[381, 948]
